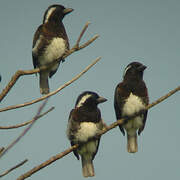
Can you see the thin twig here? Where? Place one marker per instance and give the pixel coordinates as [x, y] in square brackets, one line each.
[53, 92]
[82, 33]
[27, 122]
[48, 162]
[15, 167]
[108, 128]
[164, 97]
[75, 48]
[20, 73]
[25, 131]
[1, 149]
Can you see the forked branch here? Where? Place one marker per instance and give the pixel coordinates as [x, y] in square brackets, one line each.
[5, 150]
[20, 73]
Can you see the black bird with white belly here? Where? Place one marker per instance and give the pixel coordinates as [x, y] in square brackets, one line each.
[84, 123]
[50, 43]
[131, 96]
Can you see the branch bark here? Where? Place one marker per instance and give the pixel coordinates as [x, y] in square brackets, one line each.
[1, 149]
[13, 168]
[27, 122]
[20, 73]
[53, 92]
[108, 128]
[25, 131]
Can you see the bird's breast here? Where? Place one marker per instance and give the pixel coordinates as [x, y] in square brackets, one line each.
[54, 50]
[132, 105]
[86, 131]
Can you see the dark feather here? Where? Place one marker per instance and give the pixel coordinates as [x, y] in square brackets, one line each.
[75, 151]
[144, 122]
[82, 114]
[118, 102]
[98, 141]
[36, 37]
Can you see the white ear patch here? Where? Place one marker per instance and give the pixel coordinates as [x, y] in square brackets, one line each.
[48, 14]
[83, 99]
[129, 67]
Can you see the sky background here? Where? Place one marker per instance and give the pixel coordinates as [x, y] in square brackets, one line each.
[130, 30]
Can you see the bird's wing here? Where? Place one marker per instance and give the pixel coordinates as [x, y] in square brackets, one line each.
[75, 151]
[146, 102]
[97, 147]
[53, 72]
[118, 104]
[72, 128]
[35, 40]
[100, 126]
[144, 122]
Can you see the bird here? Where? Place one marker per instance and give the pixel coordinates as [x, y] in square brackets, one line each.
[84, 123]
[50, 43]
[130, 97]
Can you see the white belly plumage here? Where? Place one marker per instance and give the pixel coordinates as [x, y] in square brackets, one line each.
[87, 130]
[132, 105]
[52, 52]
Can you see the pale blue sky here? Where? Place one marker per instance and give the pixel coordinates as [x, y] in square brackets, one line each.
[141, 30]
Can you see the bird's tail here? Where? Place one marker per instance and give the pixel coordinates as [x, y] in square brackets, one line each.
[43, 83]
[87, 167]
[132, 145]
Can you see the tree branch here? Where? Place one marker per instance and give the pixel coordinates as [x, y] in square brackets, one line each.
[27, 122]
[108, 128]
[53, 92]
[15, 167]
[48, 162]
[1, 149]
[25, 131]
[82, 33]
[20, 73]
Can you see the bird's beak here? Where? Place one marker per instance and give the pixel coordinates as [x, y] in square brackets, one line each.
[101, 100]
[67, 10]
[142, 68]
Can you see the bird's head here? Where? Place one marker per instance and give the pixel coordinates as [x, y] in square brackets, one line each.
[56, 12]
[89, 99]
[134, 70]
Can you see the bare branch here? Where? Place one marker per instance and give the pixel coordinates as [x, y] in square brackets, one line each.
[106, 129]
[15, 167]
[1, 149]
[88, 42]
[48, 162]
[27, 122]
[53, 92]
[82, 33]
[25, 131]
[20, 73]
[163, 97]
[75, 48]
